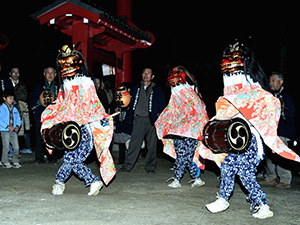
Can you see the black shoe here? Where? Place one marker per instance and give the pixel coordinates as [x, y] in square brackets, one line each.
[150, 171]
[122, 170]
[39, 162]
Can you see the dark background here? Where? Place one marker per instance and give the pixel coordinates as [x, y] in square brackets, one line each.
[188, 33]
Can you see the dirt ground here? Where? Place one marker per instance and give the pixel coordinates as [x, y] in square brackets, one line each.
[132, 198]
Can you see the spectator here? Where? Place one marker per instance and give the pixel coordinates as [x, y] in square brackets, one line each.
[48, 84]
[106, 86]
[13, 83]
[10, 122]
[101, 94]
[123, 131]
[286, 132]
[147, 102]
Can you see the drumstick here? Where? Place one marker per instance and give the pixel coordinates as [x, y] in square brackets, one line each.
[104, 121]
[112, 115]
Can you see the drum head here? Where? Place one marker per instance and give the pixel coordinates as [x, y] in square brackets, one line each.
[238, 136]
[71, 136]
[215, 137]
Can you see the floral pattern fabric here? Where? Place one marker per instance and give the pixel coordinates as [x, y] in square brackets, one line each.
[184, 116]
[78, 101]
[261, 109]
[73, 161]
[244, 165]
[185, 149]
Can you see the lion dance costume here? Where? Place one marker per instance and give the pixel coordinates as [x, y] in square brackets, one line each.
[77, 101]
[180, 126]
[245, 98]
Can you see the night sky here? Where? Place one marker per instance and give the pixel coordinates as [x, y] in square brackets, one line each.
[188, 33]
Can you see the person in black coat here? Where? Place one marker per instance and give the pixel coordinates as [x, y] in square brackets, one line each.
[123, 130]
[286, 132]
[48, 84]
[147, 102]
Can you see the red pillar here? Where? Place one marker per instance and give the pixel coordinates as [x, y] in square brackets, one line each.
[124, 8]
[80, 33]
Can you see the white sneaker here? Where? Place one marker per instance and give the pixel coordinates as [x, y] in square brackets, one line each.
[217, 206]
[58, 188]
[197, 182]
[263, 212]
[175, 183]
[17, 165]
[95, 188]
[7, 165]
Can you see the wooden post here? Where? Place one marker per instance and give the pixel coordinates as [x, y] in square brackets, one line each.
[124, 8]
[80, 33]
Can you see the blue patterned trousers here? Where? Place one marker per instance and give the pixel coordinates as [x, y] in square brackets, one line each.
[185, 149]
[244, 165]
[73, 161]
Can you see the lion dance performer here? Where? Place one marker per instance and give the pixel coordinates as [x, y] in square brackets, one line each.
[253, 114]
[77, 102]
[180, 125]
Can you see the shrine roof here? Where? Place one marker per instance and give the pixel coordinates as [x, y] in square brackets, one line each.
[95, 13]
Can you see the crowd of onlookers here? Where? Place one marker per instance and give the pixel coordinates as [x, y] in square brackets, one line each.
[20, 115]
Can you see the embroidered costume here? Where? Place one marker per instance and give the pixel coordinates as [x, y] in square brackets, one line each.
[77, 101]
[180, 126]
[244, 97]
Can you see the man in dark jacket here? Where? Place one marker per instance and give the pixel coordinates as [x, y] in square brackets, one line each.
[286, 132]
[147, 102]
[47, 85]
[13, 83]
[18, 87]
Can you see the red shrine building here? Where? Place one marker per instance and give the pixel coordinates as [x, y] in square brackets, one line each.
[104, 38]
